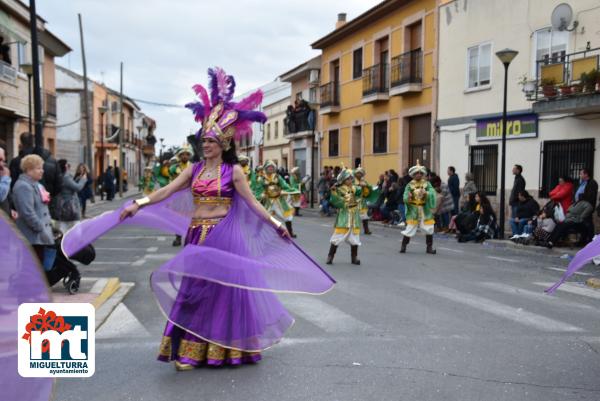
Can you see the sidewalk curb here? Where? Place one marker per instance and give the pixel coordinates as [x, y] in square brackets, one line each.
[593, 282]
[497, 243]
[109, 289]
[104, 311]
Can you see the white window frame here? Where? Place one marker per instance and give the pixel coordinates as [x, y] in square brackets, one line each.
[467, 61]
[534, 48]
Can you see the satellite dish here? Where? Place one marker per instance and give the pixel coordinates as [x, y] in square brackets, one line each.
[562, 15]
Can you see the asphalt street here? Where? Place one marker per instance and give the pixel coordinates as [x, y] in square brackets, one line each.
[470, 323]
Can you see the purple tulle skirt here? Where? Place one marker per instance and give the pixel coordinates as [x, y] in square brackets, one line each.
[207, 307]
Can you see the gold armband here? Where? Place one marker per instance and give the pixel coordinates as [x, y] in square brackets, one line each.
[142, 201]
[276, 222]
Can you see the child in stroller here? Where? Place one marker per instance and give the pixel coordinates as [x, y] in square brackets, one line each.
[64, 269]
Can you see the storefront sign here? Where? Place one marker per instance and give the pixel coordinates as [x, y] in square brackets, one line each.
[518, 126]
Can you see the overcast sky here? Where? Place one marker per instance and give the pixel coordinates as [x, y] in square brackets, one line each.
[167, 45]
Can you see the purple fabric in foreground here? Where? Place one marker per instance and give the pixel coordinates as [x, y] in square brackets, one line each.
[241, 263]
[583, 257]
[21, 280]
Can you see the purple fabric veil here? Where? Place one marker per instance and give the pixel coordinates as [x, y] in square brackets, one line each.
[21, 280]
[221, 291]
[583, 257]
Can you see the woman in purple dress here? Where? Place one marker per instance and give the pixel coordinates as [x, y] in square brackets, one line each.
[218, 292]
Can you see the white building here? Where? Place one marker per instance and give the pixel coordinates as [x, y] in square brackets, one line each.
[549, 137]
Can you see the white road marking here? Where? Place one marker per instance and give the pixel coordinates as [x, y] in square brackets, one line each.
[495, 308]
[99, 286]
[326, 225]
[161, 256]
[574, 289]
[558, 269]
[103, 262]
[139, 262]
[450, 249]
[503, 259]
[152, 249]
[321, 314]
[537, 295]
[127, 237]
[121, 323]
[114, 249]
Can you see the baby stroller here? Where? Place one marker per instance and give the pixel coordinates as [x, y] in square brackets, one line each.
[65, 270]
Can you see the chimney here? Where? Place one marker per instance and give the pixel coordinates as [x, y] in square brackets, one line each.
[341, 21]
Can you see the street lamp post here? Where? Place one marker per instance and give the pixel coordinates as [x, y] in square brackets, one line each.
[140, 151]
[102, 110]
[505, 56]
[161, 149]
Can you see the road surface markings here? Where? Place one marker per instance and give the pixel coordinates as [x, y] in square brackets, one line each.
[321, 314]
[325, 225]
[450, 249]
[139, 262]
[114, 249]
[495, 308]
[127, 237]
[161, 256]
[152, 249]
[537, 295]
[574, 289]
[503, 259]
[558, 269]
[121, 323]
[102, 262]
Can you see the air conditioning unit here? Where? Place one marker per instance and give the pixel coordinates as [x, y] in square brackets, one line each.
[314, 77]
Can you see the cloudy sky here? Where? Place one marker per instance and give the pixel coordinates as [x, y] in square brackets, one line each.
[167, 45]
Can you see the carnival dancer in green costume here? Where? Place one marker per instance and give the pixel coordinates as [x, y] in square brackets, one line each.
[297, 184]
[419, 198]
[366, 196]
[183, 155]
[345, 196]
[148, 181]
[272, 192]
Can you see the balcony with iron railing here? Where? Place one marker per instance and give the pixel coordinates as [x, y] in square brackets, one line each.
[8, 73]
[407, 73]
[566, 83]
[375, 83]
[300, 121]
[330, 98]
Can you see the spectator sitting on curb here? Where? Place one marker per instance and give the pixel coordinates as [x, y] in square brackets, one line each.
[525, 210]
[486, 222]
[466, 220]
[544, 229]
[577, 220]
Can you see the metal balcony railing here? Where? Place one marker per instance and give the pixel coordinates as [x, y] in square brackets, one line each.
[563, 75]
[330, 94]
[375, 79]
[407, 68]
[8, 73]
[300, 121]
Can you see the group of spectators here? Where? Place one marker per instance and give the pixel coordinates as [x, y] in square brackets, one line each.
[35, 189]
[569, 211]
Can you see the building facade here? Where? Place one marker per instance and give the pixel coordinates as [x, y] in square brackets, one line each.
[15, 76]
[275, 144]
[301, 124]
[550, 136]
[138, 138]
[378, 88]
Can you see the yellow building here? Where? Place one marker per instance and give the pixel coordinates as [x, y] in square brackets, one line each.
[378, 88]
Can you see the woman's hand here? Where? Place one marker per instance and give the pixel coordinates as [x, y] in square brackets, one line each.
[129, 211]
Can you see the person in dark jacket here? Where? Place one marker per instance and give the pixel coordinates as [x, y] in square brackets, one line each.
[52, 179]
[518, 186]
[109, 184]
[486, 221]
[454, 187]
[86, 193]
[525, 210]
[588, 187]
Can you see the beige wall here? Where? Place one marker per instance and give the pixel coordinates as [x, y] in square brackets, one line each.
[275, 148]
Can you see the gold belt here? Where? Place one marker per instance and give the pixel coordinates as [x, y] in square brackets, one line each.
[215, 200]
[197, 222]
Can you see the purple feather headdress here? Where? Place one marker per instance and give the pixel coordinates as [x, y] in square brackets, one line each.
[221, 118]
